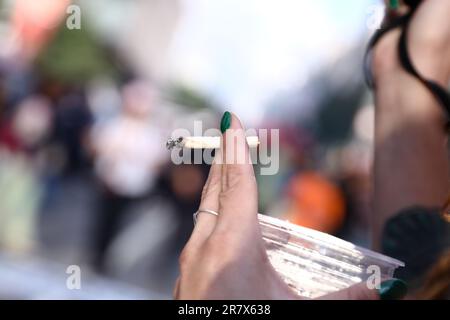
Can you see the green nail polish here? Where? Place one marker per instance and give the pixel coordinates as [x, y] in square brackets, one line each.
[394, 4]
[393, 289]
[226, 122]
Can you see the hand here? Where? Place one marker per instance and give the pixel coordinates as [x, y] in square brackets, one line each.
[225, 257]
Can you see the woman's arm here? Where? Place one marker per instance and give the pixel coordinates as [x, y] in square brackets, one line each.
[411, 160]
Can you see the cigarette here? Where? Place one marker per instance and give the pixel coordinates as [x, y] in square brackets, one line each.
[203, 142]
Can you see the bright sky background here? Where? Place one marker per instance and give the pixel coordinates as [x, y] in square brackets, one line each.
[243, 52]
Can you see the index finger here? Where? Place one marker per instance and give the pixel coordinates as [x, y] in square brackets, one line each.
[210, 201]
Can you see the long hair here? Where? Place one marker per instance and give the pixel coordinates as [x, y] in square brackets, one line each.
[437, 282]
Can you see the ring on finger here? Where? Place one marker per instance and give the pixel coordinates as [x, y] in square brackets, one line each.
[214, 213]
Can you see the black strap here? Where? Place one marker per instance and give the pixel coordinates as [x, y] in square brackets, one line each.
[413, 4]
[440, 93]
[393, 23]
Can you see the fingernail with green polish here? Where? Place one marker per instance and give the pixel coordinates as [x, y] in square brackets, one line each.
[393, 289]
[226, 122]
[394, 4]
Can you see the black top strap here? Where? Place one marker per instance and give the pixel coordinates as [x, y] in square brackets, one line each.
[440, 93]
[393, 23]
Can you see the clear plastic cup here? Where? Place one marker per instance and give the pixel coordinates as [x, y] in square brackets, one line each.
[314, 263]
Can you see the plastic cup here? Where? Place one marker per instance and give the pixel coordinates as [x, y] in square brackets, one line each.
[313, 263]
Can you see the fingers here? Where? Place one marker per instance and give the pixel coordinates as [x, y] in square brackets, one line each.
[210, 201]
[359, 291]
[238, 198]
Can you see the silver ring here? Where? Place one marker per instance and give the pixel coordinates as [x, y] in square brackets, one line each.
[204, 211]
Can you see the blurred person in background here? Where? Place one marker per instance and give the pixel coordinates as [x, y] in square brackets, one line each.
[22, 136]
[68, 204]
[28, 126]
[72, 123]
[128, 152]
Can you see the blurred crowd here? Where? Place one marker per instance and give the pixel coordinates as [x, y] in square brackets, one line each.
[85, 178]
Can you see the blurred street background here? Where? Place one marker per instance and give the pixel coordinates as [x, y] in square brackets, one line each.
[85, 178]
